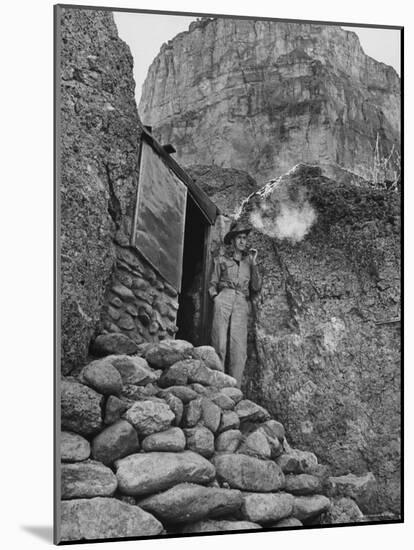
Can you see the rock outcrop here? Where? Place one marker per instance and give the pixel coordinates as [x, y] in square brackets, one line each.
[261, 96]
[158, 488]
[99, 134]
[226, 187]
[325, 339]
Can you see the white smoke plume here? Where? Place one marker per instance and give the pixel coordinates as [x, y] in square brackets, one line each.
[291, 221]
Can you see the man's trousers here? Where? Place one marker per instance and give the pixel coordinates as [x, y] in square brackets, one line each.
[230, 315]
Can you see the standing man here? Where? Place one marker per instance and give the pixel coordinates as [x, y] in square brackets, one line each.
[232, 280]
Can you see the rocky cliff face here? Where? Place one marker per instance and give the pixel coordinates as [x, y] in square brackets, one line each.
[262, 96]
[325, 341]
[226, 187]
[99, 135]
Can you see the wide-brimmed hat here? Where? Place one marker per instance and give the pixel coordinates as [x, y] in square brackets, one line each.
[235, 229]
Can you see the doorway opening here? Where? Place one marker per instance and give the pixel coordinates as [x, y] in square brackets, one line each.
[190, 315]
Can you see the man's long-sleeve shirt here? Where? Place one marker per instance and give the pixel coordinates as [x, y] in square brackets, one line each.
[241, 276]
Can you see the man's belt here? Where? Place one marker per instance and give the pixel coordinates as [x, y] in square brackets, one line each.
[237, 288]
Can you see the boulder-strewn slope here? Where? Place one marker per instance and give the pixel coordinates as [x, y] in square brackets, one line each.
[325, 347]
[163, 442]
[99, 132]
[261, 96]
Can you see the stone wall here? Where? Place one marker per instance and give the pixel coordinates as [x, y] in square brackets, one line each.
[162, 442]
[138, 303]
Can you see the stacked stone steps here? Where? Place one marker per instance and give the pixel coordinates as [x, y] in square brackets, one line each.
[164, 439]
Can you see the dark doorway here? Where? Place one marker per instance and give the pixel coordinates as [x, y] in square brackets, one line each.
[190, 310]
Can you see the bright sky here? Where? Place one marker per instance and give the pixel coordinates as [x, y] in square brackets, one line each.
[145, 34]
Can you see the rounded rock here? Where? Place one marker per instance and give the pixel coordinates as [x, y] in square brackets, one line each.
[200, 440]
[228, 441]
[229, 421]
[188, 502]
[133, 370]
[209, 357]
[168, 352]
[248, 473]
[302, 484]
[214, 526]
[308, 507]
[113, 343]
[73, 447]
[116, 441]
[149, 416]
[105, 518]
[80, 408]
[172, 440]
[267, 508]
[86, 480]
[148, 473]
[102, 377]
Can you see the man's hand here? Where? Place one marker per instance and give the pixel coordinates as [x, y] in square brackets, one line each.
[253, 255]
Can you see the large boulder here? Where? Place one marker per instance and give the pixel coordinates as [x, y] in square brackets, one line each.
[80, 408]
[146, 473]
[188, 502]
[105, 518]
[99, 133]
[149, 417]
[73, 447]
[102, 377]
[86, 480]
[168, 352]
[248, 473]
[116, 441]
[267, 508]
